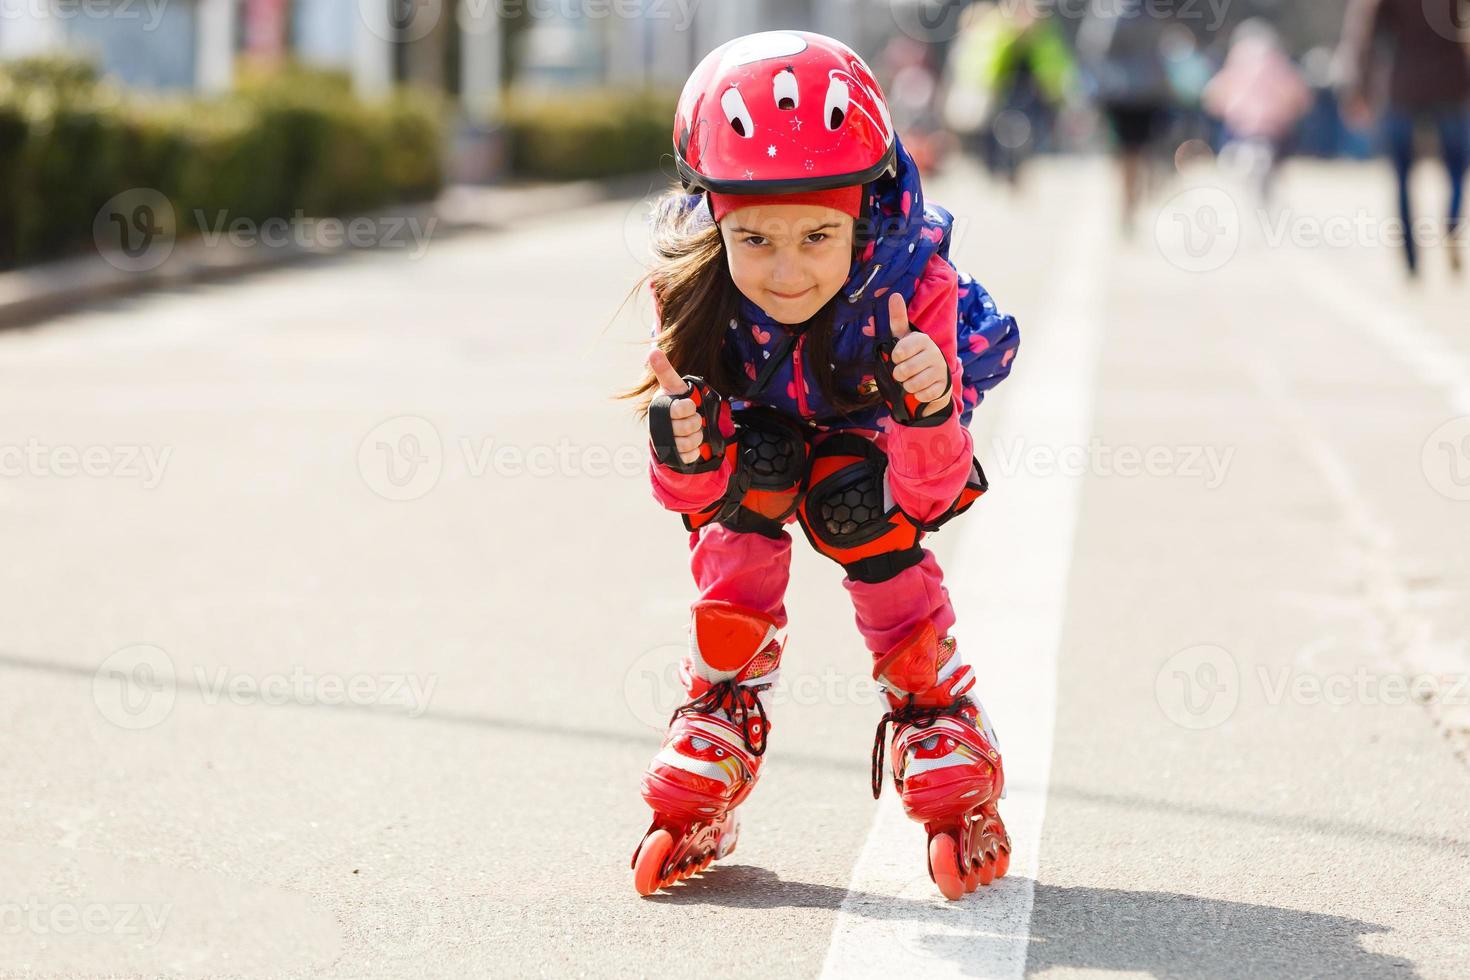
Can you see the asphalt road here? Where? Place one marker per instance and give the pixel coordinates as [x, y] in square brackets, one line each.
[338, 623]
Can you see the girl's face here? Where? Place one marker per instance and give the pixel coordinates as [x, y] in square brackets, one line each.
[788, 259]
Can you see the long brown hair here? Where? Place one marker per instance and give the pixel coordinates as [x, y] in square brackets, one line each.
[698, 300]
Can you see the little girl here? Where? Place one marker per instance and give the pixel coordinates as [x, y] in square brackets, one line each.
[817, 360]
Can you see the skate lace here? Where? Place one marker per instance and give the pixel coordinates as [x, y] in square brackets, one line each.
[729, 697]
[906, 714]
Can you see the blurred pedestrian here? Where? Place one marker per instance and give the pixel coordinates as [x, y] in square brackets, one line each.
[1010, 71]
[1428, 84]
[1260, 96]
[1120, 47]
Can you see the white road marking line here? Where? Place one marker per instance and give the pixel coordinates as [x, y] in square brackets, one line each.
[1395, 330]
[1410, 638]
[1009, 589]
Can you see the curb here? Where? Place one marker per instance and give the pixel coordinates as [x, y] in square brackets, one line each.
[35, 292]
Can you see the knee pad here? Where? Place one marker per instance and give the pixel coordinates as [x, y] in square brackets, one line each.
[849, 515]
[766, 487]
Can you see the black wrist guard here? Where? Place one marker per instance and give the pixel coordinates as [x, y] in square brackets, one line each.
[714, 418]
[902, 405]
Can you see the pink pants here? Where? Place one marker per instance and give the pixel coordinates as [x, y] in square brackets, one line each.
[753, 570]
[927, 469]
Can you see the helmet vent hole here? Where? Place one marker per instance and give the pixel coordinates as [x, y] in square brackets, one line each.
[737, 113]
[783, 86]
[837, 102]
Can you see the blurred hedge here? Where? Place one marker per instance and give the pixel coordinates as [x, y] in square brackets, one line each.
[583, 134]
[292, 140]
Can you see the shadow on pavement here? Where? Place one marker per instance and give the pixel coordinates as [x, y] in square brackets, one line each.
[1165, 935]
[1175, 937]
[744, 886]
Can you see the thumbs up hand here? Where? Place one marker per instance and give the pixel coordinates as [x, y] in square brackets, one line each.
[689, 424]
[913, 378]
[683, 414]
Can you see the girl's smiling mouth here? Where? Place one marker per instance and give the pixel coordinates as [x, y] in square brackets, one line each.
[791, 295]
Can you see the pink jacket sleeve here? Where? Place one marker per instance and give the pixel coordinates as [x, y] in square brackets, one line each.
[928, 465]
[686, 493]
[683, 493]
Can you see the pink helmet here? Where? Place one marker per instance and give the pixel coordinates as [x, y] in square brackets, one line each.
[781, 112]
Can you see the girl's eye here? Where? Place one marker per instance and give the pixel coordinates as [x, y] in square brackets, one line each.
[758, 241]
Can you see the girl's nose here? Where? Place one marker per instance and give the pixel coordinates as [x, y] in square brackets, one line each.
[786, 276]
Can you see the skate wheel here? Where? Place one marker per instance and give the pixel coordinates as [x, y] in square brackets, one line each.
[1002, 863]
[648, 871]
[944, 866]
[986, 869]
[972, 878]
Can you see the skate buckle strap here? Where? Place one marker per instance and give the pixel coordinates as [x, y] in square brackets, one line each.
[729, 697]
[907, 714]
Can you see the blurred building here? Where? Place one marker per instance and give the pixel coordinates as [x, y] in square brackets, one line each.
[455, 45]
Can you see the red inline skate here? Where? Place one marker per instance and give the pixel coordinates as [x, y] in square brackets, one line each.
[946, 766]
[712, 752]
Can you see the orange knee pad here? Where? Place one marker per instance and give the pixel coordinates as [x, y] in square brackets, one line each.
[766, 486]
[849, 515]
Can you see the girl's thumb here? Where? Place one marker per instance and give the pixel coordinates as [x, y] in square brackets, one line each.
[898, 316]
[668, 379]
